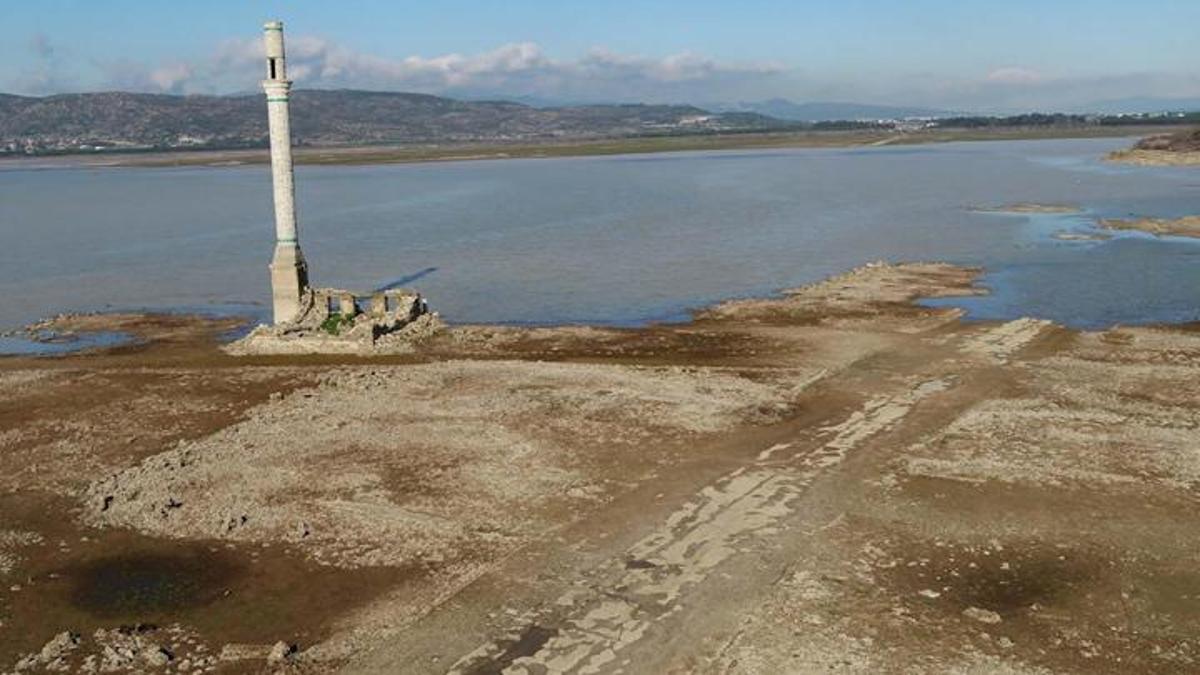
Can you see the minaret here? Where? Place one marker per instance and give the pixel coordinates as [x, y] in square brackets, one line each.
[289, 273]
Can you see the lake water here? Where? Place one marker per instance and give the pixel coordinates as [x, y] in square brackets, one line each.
[611, 240]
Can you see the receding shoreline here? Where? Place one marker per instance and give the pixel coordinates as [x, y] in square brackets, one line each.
[398, 154]
[1138, 157]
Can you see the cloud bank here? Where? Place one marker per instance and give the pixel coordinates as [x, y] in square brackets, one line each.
[510, 70]
[522, 70]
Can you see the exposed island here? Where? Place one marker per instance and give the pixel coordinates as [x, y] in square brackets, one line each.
[1028, 208]
[1188, 226]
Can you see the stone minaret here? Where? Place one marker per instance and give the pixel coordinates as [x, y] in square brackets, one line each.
[289, 272]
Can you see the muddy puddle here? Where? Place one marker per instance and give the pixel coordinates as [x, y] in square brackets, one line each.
[152, 584]
[81, 580]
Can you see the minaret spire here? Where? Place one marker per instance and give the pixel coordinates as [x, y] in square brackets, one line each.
[289, 272]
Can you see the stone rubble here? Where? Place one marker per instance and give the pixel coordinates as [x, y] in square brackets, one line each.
[393, 323]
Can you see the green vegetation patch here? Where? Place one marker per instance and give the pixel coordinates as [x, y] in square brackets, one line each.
[336, 322]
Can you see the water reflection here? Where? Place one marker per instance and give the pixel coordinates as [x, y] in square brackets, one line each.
[620, 240]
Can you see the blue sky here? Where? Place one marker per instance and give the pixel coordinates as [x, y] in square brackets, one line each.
[965, 54]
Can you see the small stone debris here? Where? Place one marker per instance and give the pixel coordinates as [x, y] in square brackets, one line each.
[929, 593]
[281, 652]
[157, 657]
[303, 530]
[137, 648]
[982, 615]
[244, 652]
[52, 655]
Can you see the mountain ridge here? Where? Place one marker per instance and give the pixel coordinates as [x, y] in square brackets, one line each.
[826, 111]
[124, 120]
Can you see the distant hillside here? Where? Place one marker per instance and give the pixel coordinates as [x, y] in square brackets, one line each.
[119, 120]
[830, 111]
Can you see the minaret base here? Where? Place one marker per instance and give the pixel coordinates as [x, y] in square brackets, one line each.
[289, 280]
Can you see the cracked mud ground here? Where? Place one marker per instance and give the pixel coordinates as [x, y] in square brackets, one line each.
[836, 480]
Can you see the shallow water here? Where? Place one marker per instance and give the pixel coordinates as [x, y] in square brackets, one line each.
[620, 240]
[45, 345]
[151, 585]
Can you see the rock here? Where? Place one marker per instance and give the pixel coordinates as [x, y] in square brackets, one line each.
[59, 646]
[243, 652]
[128, 648]
[302, 531]
[281, 652]
[929, 593]
[981, 615]
[157, 657]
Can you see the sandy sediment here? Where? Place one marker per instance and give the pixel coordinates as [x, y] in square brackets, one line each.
[1135, 398]
[836, 479]
[877, 293]
[1155, 157]
[495, 444]
[1005, 340]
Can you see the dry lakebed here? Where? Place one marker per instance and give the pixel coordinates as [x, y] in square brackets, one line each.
[834, 480]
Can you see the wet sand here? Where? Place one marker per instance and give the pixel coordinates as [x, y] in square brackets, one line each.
[837, 479]
[1139, 157]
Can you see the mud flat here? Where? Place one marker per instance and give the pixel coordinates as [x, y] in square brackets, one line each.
[1155, 158]
[837, 479]
[1030, 208]
[1188, 226]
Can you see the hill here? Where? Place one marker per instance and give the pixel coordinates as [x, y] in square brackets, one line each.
[121, 120]
[826, 111]
[1143, 104]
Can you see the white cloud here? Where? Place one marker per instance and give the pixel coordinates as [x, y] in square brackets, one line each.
[1015, 75]
[514, 69]
[171, 77]
[523, 70]
[685, 67]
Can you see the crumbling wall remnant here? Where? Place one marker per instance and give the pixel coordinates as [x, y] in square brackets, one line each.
[338, 321]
